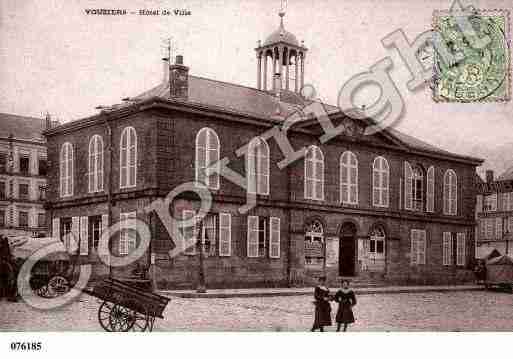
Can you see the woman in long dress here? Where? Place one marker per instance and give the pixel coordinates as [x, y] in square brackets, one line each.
[322, 306]
[346, 301]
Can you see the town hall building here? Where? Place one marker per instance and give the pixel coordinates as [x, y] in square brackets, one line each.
[384, 207]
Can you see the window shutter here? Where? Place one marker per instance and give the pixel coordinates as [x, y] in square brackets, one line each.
[447, 249]
[252, 244]
[225, 234]
[460, 249]
[430, 195]
[414, 246]
[123, 245]
[56, 228]
[274, 238]
[105, 226]
[422, 247]
[84, 239]
[74, 239]
[408, 174]
[132, 232]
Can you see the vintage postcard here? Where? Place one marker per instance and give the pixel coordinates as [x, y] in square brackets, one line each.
[253, 166]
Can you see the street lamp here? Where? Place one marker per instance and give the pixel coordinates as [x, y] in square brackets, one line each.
[203, 248]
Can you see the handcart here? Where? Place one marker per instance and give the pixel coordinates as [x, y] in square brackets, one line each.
[125, 307]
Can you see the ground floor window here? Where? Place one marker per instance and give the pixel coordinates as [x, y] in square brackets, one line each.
[23, 219]
[95, 231]
[2, 218]
[128, 233]
[66, 231]
[377, 243]
[418, 246]
[314, 244]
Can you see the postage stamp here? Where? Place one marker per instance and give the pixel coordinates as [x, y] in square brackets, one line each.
[477, 68]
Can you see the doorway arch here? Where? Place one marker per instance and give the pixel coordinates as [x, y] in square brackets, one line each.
[347, 249]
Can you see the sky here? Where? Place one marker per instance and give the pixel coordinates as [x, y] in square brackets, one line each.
[55, 58]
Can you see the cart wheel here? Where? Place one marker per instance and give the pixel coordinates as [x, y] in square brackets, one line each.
[118, 318]
[43, 292]
[141, 321]
[104, 316]
[58, 286]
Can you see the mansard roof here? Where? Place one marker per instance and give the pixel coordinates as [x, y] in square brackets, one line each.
[22, 127]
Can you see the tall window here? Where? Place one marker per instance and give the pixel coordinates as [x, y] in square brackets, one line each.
[314, 173]
[42, 166]
[418, 246]
[3, 193]
[66, 170]
[263, 237]
[23, 219]
[128, 158]
[447, 249]
[450, 192]
[95, 173]
[23, 191]
[413, 187]
[128, 233]
[24, 164]
[258, 166]
[430, 189]
[377, 243]
[2, 218]
[348, 178]
[207, 153]
[380, 180]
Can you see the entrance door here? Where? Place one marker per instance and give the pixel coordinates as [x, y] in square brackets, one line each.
[347, 250]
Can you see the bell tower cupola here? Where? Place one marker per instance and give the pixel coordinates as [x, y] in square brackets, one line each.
[281, 61]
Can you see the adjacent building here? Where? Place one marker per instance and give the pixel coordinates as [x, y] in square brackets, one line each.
[494, 213]
[385, 207]
[23, 170]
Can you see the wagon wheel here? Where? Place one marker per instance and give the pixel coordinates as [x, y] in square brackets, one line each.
[43, 292]
[118, 318]
[57, 286]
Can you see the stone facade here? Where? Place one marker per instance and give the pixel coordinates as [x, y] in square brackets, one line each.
[297, 239]
[23, 168]
[494, 213]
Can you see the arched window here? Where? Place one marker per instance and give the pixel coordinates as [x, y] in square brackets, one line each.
[314, 244]
[377, 243]
[348, 178]
[413, 187]
[207, 153]
[380, 180]
[314, 173]
[258, 166]
[66, 170]
[95, 173]
[128, 158]
[430, 189]
[450, 192]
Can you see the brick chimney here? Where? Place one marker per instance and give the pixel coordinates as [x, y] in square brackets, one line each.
[165, 69]
[48, 121]
[489, 176]
[179, 79]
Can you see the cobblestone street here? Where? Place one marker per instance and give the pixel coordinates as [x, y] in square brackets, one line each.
[453, 311]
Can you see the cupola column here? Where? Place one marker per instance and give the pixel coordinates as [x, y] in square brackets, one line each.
[286, 58]
[265, 71]
[302, 70]
[297, 73]
[275, 50]
[259, 70]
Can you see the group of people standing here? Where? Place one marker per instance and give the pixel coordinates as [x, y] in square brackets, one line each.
[346, 300]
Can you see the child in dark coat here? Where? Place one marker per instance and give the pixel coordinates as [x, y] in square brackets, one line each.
[346, 301]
